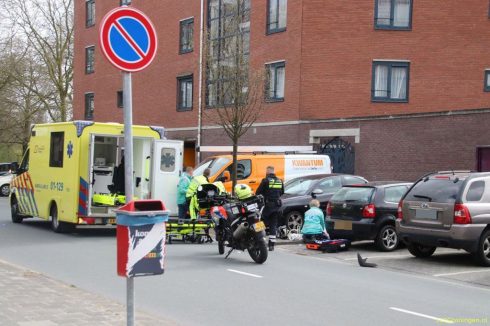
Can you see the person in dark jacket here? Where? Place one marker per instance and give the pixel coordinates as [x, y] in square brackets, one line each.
[271, 187]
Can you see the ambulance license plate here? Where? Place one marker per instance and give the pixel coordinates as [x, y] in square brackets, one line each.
[111, 221]
[259, 226]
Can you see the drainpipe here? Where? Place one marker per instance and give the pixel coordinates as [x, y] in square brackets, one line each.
[199, 114]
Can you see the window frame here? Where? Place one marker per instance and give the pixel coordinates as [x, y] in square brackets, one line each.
[124, 2]
[89, 95]
[275, 66]
[87, 70]
[391, 65]
[89, 21]
[184, 23]
[213, 98]
[60, 152]
[486, 77]
[268, 28]
[392, 20]
[120, 99]
[180, 80]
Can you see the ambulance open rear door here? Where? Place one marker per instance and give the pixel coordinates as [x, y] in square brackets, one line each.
[167, 160]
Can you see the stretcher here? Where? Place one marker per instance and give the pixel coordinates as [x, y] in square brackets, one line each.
[193, 231]
[329, 246]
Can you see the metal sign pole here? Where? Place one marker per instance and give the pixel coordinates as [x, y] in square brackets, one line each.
[128, 177]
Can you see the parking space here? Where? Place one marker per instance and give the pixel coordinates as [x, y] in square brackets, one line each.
[448, 264]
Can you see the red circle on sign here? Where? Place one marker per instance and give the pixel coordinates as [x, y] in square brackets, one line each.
[110, 20]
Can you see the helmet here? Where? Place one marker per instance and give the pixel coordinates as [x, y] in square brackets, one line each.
[243, 191]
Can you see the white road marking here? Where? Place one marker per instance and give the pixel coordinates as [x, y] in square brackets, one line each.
[441, 320]
[464, 272]
[385, 256]
[243, 273]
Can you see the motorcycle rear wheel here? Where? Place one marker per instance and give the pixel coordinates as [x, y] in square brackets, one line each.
[258, 251]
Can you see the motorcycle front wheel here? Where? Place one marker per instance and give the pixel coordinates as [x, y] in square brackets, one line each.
[258, 251]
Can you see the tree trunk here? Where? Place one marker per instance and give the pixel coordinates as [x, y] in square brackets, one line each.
[234, 166]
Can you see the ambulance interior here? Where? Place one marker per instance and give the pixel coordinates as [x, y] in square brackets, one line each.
[108, 175]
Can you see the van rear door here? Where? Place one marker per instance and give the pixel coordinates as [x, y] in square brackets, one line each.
[167, 160]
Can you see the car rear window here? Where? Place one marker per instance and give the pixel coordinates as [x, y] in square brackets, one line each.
[354, 194]
[436, 190]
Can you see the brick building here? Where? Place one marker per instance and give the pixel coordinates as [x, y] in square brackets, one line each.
[395, 87]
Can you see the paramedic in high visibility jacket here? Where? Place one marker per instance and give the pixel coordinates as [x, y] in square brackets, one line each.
[192, 190]
[271, 188]
[196, 182]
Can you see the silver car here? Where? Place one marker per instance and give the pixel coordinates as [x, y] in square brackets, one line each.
[447, 209]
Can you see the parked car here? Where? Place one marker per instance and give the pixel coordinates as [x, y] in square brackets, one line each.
[6, 168]
[5, 184]
[447, 209]
[298, 193]
[367, 212]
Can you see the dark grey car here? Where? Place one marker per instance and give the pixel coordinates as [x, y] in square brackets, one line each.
[447, 209]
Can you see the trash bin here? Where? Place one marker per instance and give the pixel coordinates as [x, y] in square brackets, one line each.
[141, 238]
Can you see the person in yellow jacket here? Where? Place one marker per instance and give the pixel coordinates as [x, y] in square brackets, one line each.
[196, 182]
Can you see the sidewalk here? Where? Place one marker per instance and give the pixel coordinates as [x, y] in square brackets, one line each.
[28, 298]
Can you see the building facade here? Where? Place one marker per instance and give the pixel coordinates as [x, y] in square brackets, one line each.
[391, 89]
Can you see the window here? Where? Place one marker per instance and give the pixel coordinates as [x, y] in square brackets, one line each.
[89, 59]
[276, 16]
[243, 169]
[329, 185]
[90, 13]
[486, 86]
[276, 73]
[56, 149]
[120, 99]
[435, 190]
[167, 160]
[89, 106]
[394, 194]
[390, 81]
[184, 96]
[125, 2]
[186, 36]
[476, 190]
[393, 14]
[348, 180]
[228, 52]
[24, 165]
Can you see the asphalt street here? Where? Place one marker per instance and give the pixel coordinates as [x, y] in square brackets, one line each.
[199, 287]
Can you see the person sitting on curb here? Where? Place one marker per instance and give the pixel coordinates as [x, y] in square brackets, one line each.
[314, 225]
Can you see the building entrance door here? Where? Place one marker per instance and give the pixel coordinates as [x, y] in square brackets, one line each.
[342, 155]
[483, 159]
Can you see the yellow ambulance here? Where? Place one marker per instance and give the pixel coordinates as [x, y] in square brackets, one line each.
[72, 172]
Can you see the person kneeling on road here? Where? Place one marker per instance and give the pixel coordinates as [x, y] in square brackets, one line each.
[314, 225]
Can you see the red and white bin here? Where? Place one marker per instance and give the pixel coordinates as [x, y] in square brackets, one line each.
[141, 238]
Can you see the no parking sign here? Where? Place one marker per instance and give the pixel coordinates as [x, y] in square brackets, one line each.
[128, 39]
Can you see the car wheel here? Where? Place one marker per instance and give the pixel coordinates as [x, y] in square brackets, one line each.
[14, 211]
[5, 190]
[56, 224]
[483, 254]
[294, 220]
[387, 239]
[420, 251]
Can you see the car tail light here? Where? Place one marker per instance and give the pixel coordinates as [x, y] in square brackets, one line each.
[369, 211]
[461, 214]
[400, 210]
[329, 209]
